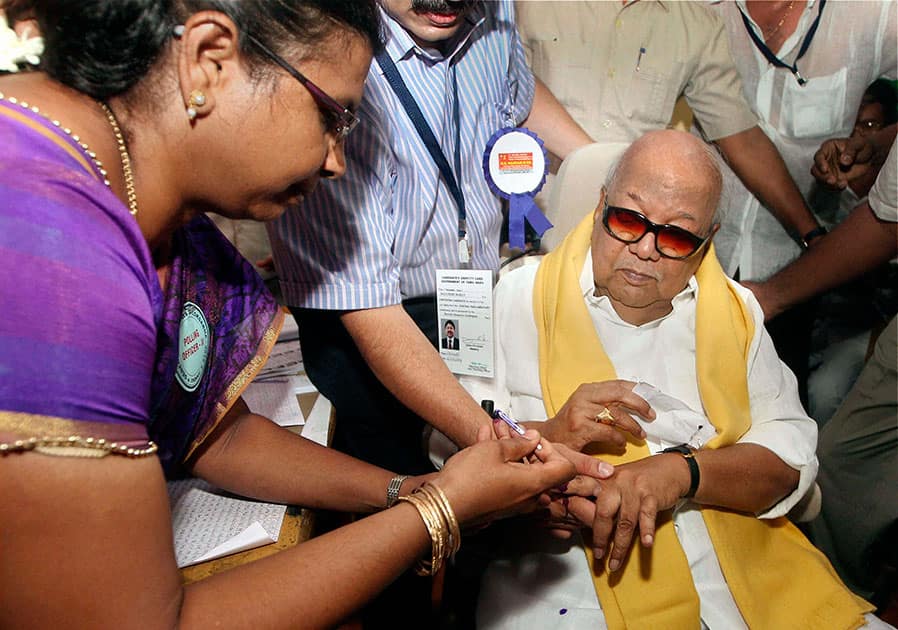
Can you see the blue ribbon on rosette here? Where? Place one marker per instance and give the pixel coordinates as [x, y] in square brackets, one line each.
[521, 205]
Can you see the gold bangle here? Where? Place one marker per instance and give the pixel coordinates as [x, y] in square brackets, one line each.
[448, 515]
[438, 535]
[442, 525]
[433, 522]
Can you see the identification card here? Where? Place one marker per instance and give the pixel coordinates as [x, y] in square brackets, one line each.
[465, 318]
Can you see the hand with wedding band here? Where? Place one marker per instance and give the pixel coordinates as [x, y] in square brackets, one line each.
[598, 412]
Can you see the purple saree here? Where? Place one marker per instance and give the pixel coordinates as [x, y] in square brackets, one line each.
[92, 355]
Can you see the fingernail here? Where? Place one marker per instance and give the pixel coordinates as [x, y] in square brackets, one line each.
[647, 540]
[613, 564]
[598, 553]
[606, 469]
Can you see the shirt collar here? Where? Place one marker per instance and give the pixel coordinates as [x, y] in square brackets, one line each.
[661, 3]
[794, 40]
[603, 304]
[400, 44]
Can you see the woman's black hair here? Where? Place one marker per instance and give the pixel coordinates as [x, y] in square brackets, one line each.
[104, 47]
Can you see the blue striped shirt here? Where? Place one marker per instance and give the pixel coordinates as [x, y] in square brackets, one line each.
[378, 235]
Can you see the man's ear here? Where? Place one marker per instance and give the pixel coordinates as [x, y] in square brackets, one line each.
[597, 213]
[208, 58]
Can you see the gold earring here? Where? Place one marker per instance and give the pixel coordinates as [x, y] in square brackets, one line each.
[194, 100]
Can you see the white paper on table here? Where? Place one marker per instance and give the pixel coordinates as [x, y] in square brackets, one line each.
[208, 524]
[301, 384]
[285, 359]
[318, 421]
[275, 399]
[290, 329]
[250, 538]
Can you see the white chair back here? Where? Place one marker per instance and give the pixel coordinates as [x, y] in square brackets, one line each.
[575, 189]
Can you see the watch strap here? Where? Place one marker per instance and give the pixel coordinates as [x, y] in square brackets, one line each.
[810, 236]
[694, 472]
[393, 489]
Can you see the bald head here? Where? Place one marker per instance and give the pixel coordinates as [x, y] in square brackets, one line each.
[672, 162]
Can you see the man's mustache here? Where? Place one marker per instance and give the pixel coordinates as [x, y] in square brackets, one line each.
[442, 6]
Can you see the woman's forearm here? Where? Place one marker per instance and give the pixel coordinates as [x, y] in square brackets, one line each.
[316, 584]
[250, 455]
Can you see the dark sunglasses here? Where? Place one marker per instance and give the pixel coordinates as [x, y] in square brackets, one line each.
[629, 226]
[340, 120]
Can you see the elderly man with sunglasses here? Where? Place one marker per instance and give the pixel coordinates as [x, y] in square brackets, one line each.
[636, 293]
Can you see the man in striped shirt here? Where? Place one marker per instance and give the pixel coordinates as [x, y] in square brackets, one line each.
[358, 259]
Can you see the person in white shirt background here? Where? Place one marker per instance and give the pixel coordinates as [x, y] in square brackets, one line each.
[804, 65]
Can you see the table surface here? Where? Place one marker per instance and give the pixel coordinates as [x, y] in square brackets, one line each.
[298, 524]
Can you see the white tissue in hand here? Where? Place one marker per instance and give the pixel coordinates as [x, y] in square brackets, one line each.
[675, 422]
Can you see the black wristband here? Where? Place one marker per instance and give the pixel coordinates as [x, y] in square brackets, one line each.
[694, 472]
[810, 236]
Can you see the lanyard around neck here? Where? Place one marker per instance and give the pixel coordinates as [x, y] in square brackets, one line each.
[391, 72]
[773, 59]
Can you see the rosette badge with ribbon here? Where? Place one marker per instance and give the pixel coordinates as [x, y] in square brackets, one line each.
[515, 165]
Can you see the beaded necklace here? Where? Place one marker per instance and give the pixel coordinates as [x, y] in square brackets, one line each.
[119, 138]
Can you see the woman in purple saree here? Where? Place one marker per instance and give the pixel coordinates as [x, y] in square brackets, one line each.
[129, 334]
[130, 327]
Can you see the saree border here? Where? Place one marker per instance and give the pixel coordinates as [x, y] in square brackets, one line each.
[242, 380]
[53, 435]
[50, 135]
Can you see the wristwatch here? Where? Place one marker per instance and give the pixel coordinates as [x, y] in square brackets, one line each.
[810, 236]
[393, 489]
[694, 472]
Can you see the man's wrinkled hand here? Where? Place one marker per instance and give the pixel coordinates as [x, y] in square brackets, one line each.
[627, 503]
[598, 412]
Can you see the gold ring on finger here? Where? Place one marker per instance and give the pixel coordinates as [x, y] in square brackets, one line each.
[605, 416]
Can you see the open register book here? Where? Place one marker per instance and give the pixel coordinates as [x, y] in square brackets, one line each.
[209, 523]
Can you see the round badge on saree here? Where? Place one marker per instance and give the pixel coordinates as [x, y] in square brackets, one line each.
[515, 165]
[193, 347]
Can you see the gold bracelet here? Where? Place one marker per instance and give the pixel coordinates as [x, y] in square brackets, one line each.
[442, 525]
[448, 515]
[433, 522]
[438, 535]
[445, 531]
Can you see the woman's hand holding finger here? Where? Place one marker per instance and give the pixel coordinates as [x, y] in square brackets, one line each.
[488, 477]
